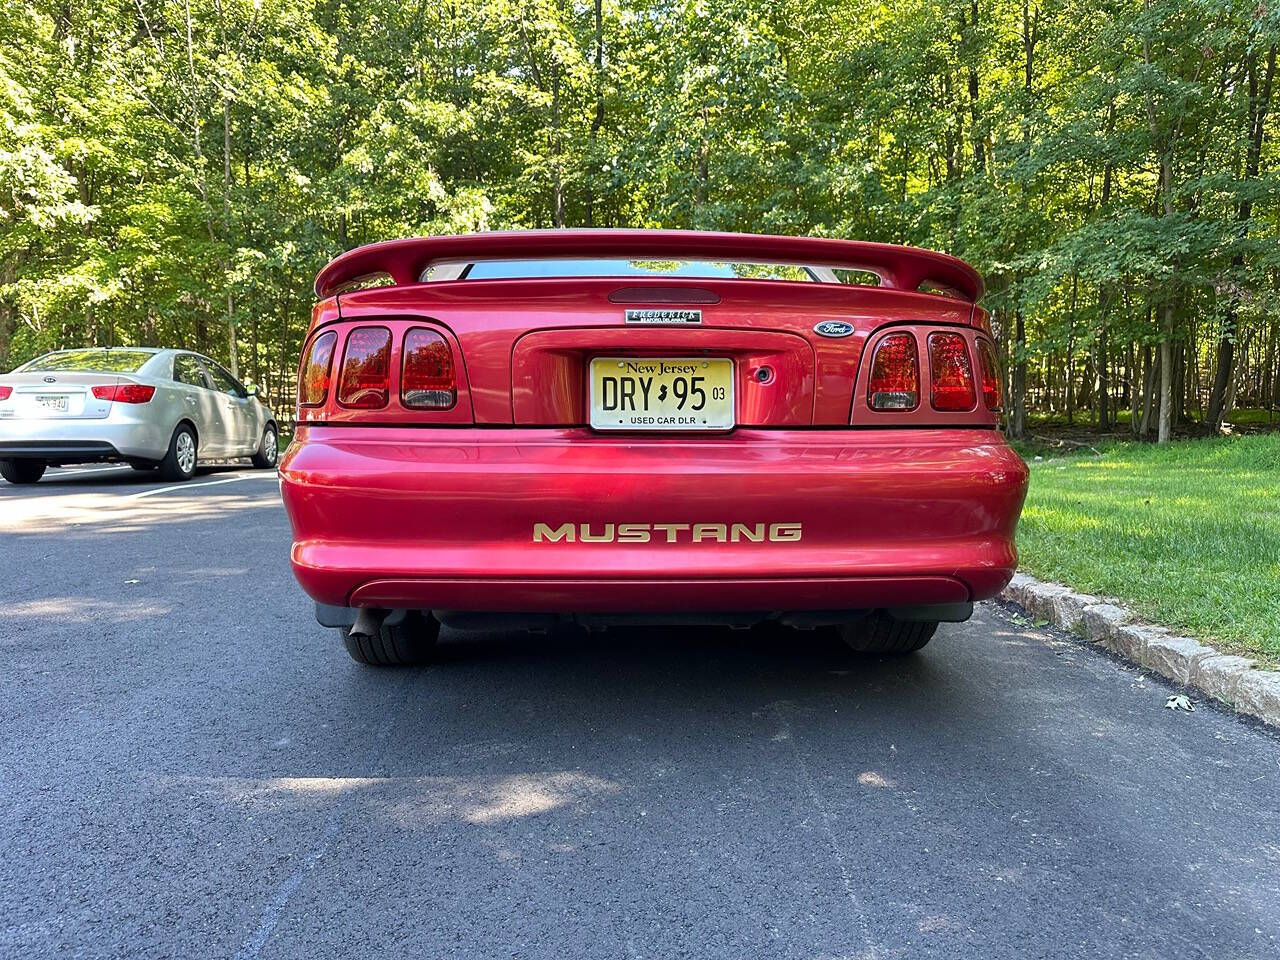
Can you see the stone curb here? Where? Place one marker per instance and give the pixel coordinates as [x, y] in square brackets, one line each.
[1230, 679]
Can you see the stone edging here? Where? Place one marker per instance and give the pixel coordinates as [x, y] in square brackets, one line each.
[1229, 679]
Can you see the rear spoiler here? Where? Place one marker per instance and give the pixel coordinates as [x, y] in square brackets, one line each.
[899, 268]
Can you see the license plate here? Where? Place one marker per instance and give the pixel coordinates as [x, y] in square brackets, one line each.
[661, 393]
[57, 404]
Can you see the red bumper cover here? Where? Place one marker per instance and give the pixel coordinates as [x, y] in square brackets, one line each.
[566, 520]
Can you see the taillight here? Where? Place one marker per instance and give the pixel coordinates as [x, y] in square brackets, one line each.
[426, 379]
[5, 392]
[125, 393]
[950, 372]
[991, 383]
[895, 374]
[313, 384]
[366, 369]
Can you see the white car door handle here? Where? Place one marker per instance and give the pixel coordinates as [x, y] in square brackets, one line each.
[191, 400]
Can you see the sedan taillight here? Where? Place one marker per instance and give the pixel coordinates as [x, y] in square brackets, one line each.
[895, 374]
[950, 372]
[427, 379]
[365, 382]
[125, 393]
[313, 383]
[5, 392]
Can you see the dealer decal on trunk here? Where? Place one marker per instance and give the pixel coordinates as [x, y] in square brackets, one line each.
[648, 315]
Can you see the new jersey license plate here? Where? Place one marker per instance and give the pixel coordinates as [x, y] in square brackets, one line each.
[661, 393]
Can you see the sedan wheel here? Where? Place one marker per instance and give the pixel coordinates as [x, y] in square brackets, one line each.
[268, 450]
[22, 471]
[180, 462]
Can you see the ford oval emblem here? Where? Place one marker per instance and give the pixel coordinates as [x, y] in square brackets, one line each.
[833, 328]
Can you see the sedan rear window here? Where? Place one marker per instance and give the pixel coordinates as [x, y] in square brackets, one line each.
[93, 361]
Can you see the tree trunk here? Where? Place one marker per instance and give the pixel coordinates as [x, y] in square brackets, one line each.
[1268, 367]
[1136, 375]
[975, 128]
[1164, 431]
[1259, 102]
[557, 184]
[1018, 426]
[1070, 386]
[597, 120]
[1103, 383]
[232, 353]
[1149, 395]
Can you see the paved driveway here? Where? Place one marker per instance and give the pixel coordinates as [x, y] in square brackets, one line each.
[190, 767]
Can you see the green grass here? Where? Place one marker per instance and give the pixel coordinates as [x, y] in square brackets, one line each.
[1253, 417]
[1186, 534]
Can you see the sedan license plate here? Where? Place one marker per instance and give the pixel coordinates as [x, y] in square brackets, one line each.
[56, 404]
[661, 393]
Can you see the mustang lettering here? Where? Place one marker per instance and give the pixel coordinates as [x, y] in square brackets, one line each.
[669, 532]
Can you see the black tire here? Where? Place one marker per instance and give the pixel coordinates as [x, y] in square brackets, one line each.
[407, 643]
[882, 634]
[268, 454]
[22, 471]
[176, 465]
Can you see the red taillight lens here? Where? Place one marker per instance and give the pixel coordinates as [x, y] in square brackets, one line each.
[427, 381]
[991, 383]
[5, 392]
[951, 373]
[895, 374]
[366, 369]
[125, 393]
[313, 384]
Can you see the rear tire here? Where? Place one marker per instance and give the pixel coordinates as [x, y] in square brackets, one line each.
[22, 471]
[407, 643]
[179, 463]
[882, 634]
[268, 450]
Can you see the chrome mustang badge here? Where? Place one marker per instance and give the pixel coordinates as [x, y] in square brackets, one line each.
[664, 316]
[833, 328]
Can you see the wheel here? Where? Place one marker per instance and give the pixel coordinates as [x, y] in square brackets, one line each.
[878, 633]
[180, 462]
[268, 450]
[409, 642]
[22, 471]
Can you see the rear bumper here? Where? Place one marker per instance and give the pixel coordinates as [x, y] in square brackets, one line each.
[82, 441]
[58, 451]
[566, 520]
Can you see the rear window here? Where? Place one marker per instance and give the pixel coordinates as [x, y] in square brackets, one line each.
[520, 269]
[93, 361]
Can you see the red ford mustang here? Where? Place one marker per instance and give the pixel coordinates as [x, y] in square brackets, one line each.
[627, 426]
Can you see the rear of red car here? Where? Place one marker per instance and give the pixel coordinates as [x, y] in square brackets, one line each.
[660, 447]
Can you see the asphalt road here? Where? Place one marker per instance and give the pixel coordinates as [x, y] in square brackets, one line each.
[190, 767]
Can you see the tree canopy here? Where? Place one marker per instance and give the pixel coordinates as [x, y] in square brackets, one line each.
[176, 171]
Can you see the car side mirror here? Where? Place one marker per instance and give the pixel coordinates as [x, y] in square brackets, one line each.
[252, 391]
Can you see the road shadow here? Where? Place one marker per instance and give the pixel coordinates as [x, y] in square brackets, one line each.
[122, 476]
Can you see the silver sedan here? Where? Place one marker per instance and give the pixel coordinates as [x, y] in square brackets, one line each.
[150, 408]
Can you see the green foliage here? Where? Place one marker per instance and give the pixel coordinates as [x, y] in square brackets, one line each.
[170, 169]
